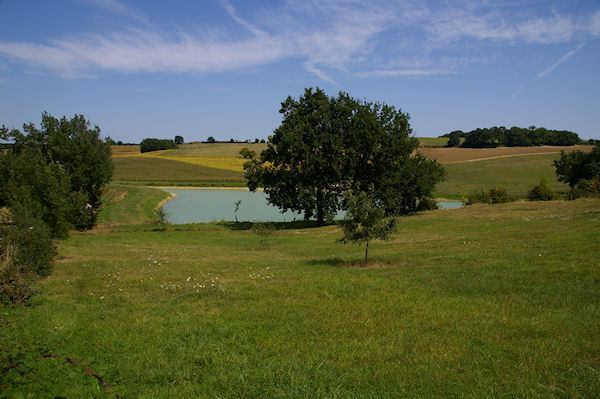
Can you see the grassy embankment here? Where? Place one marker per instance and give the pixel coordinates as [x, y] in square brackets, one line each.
[476, 302]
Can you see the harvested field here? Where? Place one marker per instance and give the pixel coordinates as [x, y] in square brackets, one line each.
[451, 155]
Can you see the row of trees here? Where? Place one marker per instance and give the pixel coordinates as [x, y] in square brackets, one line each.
[328, 146]
[148, 145]
[511, 137]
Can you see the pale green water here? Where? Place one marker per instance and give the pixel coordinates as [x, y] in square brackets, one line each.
[197, 206]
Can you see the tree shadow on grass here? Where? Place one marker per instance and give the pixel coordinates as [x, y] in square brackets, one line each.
[357, 263]
[298, 224]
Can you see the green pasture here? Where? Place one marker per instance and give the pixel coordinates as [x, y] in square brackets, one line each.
[432, 141]
[485, 301]
[518, 174]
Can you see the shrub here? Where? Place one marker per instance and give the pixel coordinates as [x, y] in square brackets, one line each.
[493, 195]
[26, 251]
[498, 195]
[475, 197]
[29, 243]
[247, 153]
[162, 218]
[586, 188]
[541, 192]
[427, 204]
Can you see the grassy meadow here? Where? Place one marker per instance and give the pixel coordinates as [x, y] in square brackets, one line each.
[485, 301]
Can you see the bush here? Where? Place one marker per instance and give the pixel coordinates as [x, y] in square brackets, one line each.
[29, 243]
[494, 195]
[427, 204]
[542, 192]
[26, 252]
[498, 195]
[247, 153]
[15, 285]
[586, 188]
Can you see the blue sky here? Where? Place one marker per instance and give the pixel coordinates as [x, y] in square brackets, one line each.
[221, 67]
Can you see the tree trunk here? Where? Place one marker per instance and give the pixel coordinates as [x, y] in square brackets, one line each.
[320, 213]
[367, 253]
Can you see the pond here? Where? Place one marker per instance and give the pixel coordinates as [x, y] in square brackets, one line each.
[199, 206]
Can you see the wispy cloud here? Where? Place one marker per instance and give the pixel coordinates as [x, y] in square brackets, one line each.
[120, 8]
[368, 39]
[516, 94]
[562, 59]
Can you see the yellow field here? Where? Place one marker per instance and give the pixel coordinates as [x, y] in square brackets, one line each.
[234, 164]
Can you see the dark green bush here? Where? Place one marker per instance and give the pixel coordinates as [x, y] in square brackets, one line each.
[493, 195]
[26, 252]
[586, 188]
[542, 192]
[426, 204]
[28, 242]
[498, 195]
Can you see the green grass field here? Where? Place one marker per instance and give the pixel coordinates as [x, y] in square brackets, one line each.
[517, 174]
[499, 301]
[432, 141]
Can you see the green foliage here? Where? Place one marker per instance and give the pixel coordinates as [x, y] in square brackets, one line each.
[325, 146]
[26, 252]
[265, 231]
[148, 145]
[493, 195]
[178, 140]
[586, 188]
[427, 204]
[211, 140]
[578, 165]
[454, 138]
[162, 217]
[75, 147]
[365, 221]
[247, 153]
[542, 192]
[518, 137]
[32, 185]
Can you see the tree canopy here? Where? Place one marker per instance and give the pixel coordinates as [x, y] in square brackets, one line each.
[512, 137]
[57, 172]
[149, 144]
[327, 145]
[575, 166]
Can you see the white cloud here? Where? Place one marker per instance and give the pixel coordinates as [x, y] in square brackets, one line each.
[326, 36]
[562, 59]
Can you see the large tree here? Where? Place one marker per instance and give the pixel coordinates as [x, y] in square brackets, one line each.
[325, 146]
[77, 149]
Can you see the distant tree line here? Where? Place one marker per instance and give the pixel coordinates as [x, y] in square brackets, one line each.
[148, 145]
[511, 137]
